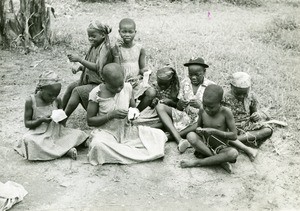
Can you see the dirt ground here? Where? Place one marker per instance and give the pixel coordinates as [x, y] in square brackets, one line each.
[269, 183]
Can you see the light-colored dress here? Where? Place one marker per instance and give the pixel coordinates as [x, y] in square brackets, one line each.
[130, 62]
[120, 142]
[187, 117]
[48, 141]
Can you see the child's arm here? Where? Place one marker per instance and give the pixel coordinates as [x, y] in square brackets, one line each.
[94, 120]
[132, 102]
[116, 54]
[142, 61]
[90, 65]
[29, 122]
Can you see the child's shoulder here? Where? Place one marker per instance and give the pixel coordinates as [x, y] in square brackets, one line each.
[225, 110]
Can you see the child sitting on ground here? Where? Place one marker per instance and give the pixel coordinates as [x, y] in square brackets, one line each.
[243, 103]
[46, 139]
[115, 140]
[132, 58]
[167, 89]
[183, 119]
[215, 128]
[98, 55]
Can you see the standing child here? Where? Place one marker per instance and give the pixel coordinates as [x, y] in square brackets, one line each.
[98, 55]
[132, 58]
[249, 121]
[115, 140]
[215, 128]
[46, 139]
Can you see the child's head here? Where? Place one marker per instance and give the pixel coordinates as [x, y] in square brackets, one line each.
[197, 70]
[164, 77]
[127, 30]
[49, 86]
[212, 97]
[113, 76]
[240, 84]
[97, 33]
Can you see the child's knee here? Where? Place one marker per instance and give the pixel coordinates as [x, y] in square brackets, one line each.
[160, 108]
[232, 154]
[150, 93]
[192, 137]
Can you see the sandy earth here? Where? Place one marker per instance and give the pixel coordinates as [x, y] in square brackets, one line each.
[269, 183]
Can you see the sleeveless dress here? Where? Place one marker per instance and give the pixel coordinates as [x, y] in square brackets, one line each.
[130, 62]
[48, 141]
[119, 142]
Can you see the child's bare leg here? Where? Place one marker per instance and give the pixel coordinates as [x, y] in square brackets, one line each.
[251, 153]
[256, 135]
[226, 155]
[72, 153]
[67, 94]
[73, 103]
[165, 114]
[146, 100]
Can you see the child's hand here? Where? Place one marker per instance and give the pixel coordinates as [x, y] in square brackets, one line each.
[74, 58]
[119, 43]
[183, 103]
[119, 114]
[46, 119]
[199, 130]
[74, 70]
[166, 101]
[255, 117]
[195, 103]
[208, 131]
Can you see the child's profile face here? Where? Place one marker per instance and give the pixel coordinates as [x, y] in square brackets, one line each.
[239, 93]
[163, 84]
[49, 93]
[196, 74]
[211, 107]
[127, 32]
[95, 37]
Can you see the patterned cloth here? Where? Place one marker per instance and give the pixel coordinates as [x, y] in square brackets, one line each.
[242, 111]
[47, 78]
[125, 143]
[187, 117]
[48, 141]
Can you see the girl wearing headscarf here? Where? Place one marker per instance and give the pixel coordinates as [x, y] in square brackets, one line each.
[167, 89]
[47, 139]
[97, 57]
[249, 121]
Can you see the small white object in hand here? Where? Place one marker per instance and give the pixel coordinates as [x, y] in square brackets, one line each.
[58, 115]
[133, 113]
[146, 77]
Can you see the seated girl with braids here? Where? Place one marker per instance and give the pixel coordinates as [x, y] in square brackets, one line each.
[249, 121]
[97, 57]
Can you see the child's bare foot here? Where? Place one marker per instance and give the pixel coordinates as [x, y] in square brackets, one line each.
[227, 167]
[72, 153]
[188, 163]
[183, 145]
[252, 153]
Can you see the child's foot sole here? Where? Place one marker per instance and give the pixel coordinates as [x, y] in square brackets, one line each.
[72, 153]
[227, 167]
[253, 154]
[183, 145]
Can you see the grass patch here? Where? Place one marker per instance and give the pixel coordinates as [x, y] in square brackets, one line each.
[283, 32]
[247, 3]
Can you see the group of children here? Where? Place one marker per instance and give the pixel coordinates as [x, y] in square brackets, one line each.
[193, 112]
